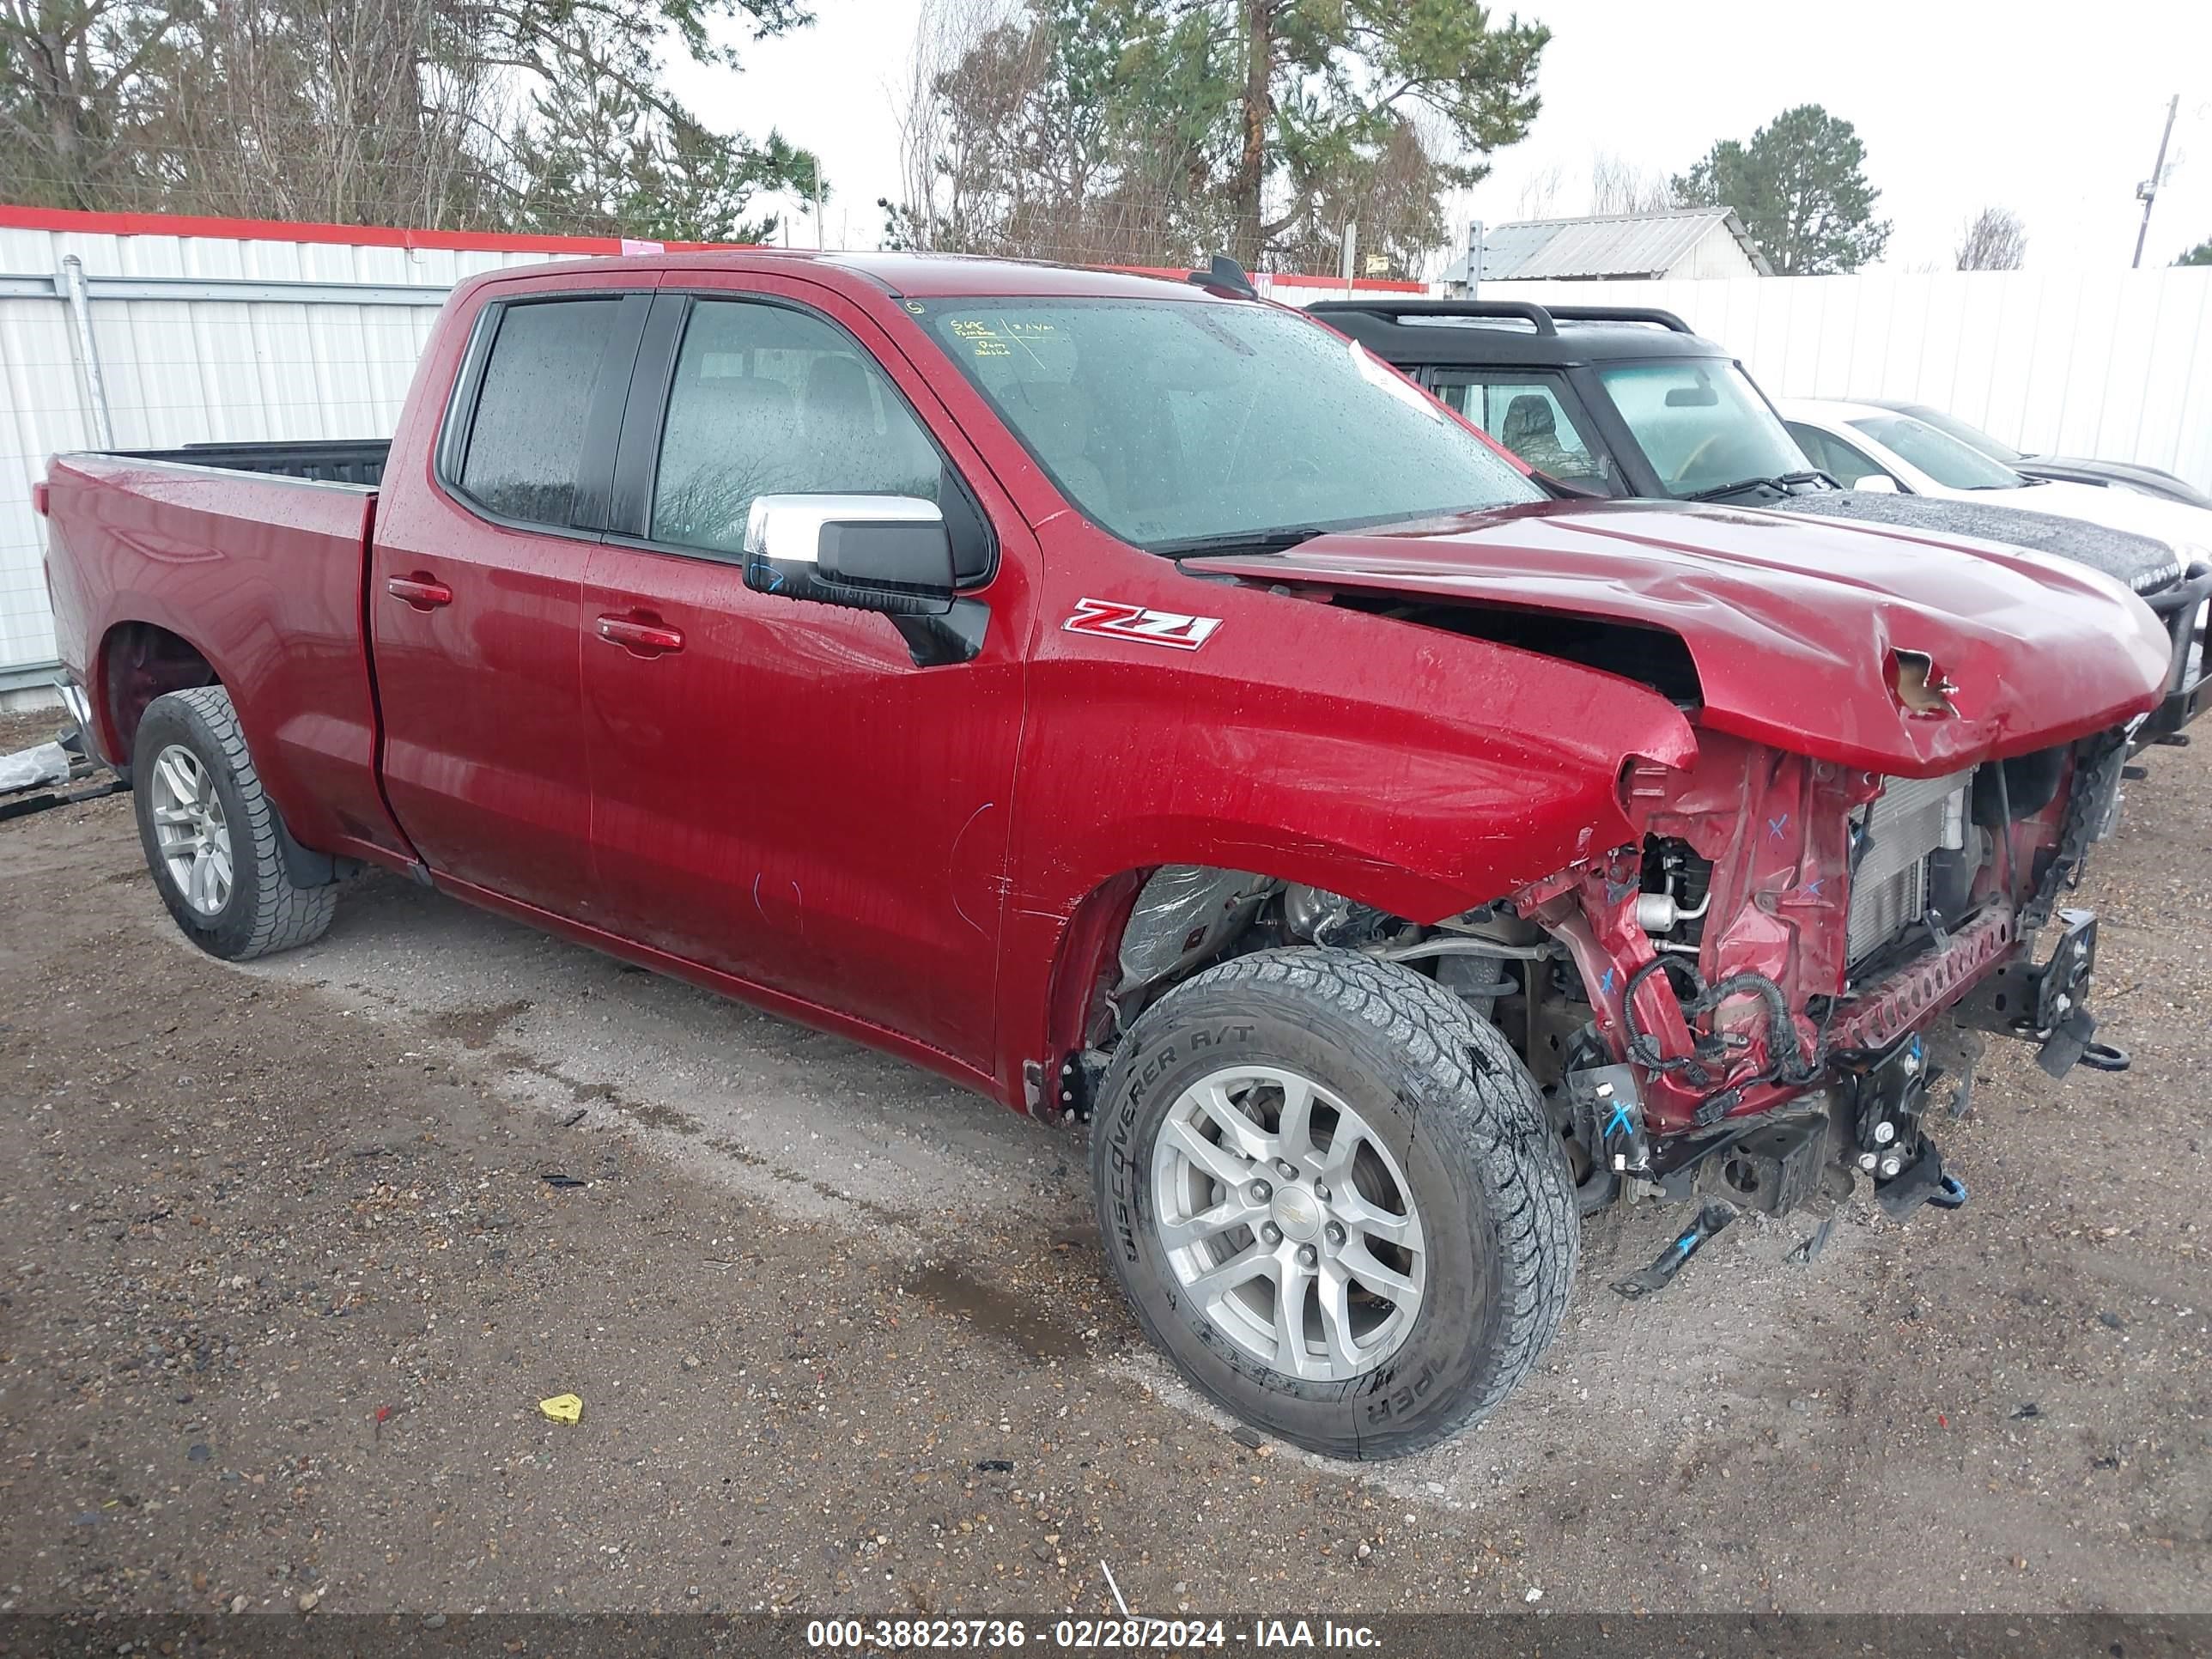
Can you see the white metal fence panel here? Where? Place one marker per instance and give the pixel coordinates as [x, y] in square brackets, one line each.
[2111, 364]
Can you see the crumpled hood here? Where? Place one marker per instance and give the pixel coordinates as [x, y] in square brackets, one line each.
[1790, 621]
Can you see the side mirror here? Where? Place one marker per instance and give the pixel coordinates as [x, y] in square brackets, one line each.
[1880, 483]
[885, 553]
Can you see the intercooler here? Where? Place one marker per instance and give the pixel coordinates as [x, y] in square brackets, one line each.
[1891, 839]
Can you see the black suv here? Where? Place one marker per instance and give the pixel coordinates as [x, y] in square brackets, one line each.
[1624, 401]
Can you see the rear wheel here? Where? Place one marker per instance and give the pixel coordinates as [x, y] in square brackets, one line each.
[210, 835]
[1331, 1192]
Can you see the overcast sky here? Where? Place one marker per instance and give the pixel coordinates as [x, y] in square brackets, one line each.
[2052, 110]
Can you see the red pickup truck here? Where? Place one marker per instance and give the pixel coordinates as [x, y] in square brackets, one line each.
[1136, 701]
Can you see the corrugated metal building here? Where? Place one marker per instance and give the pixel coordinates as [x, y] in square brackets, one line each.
[202, 330]
[1678, 242]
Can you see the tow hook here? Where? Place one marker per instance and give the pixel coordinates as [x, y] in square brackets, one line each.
[2072, 1044]
[1925, 1182]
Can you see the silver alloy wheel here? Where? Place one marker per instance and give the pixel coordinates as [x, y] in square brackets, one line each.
[1289, 1222]
[189, 824]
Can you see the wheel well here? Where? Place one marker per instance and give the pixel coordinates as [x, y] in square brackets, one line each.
[1082, 974]
[1199, 922]
[139, 662]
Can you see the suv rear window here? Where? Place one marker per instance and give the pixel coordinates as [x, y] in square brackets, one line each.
[526, 441]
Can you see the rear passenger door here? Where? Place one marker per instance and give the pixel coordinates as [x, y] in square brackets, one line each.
[1537, 416]
[781, 793]
[473, 599]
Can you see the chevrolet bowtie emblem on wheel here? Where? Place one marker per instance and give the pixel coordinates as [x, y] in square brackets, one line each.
[1133, 622]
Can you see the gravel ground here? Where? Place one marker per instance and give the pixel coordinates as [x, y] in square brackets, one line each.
[285, 1279]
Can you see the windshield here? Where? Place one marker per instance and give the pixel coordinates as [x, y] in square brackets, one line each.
[1174, 421]
[1972, 436]
[1701, 423]
[1942, 458]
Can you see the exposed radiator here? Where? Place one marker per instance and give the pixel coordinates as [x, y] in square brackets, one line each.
[1909, 820]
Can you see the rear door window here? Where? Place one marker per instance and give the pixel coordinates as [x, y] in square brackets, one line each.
[525, 445]
[1532, 418]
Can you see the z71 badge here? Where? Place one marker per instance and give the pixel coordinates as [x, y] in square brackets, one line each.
[1117, 620]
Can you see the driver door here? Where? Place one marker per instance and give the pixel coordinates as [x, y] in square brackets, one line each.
[779, 793]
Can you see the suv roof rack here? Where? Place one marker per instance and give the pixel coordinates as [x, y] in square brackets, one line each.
[1666, 320]
[1544, 318]
[1396, 310]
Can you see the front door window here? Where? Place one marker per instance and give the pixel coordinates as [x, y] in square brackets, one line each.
[1530, 417]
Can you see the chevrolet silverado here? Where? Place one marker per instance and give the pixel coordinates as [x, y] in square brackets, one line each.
[1132, 700]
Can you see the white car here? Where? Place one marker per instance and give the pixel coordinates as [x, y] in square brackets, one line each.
[1866, 446]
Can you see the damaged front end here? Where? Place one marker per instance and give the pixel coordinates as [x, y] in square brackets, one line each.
[1764, 969]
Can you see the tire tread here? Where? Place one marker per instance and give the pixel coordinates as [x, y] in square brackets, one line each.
[285, 915]
[1473, 1074]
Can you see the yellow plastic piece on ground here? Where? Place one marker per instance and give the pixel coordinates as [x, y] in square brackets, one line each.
[562, 1408]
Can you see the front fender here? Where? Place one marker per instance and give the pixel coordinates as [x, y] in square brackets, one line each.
[1419, 771]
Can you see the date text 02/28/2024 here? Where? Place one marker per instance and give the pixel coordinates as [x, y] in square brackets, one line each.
[1083, 1635]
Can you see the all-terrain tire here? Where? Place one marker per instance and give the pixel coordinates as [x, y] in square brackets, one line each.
[1459, 1112]
[265, 911]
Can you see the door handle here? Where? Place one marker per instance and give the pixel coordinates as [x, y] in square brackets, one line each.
[641, 638]
[424, 593]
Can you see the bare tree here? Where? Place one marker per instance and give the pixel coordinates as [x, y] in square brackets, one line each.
[79, 80]
[941, 138]
[1540, 194]
[1022, 134]
[1993, 239]
[1620, 186]
[353, 111]
[543, 114]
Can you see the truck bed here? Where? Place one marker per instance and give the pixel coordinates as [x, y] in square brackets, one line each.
[323, 460]
[231, 554]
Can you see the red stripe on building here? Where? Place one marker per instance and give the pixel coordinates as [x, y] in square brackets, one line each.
[285, 230]
[471, 241]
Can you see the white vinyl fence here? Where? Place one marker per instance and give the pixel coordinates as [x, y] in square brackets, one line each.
[2116, 365]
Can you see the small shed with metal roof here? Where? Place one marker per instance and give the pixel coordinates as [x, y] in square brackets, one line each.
[1616, 247]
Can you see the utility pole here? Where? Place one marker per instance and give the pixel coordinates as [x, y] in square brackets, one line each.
[1473, 255]
[2146, 192]
[818, 203]
[1351, 254]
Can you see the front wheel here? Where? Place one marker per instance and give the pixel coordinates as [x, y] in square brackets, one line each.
[1333, 1196]
[210, 835]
